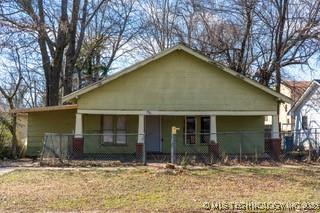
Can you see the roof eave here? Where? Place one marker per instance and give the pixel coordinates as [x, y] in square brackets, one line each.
[45, 109]
[303, 96]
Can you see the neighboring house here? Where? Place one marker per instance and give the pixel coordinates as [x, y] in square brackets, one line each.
[306, 112]
[294, 90]
[139, 105]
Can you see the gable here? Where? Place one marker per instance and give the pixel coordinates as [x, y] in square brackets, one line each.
[308, 94]
[178, 81]
[309, 106]
[312, 102]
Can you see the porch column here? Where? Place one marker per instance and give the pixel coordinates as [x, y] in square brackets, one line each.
[140, 146]
[213, 146]
[213, 129]
[273, 146]
[275, 127]
[78, 141]
[141, 129]
[78, 128]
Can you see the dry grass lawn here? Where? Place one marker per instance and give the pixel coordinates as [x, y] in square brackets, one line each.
[147, 189]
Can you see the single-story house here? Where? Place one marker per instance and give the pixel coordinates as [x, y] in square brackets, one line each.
[139, 105]
[306, 113]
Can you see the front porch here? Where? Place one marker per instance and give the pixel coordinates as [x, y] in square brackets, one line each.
[125, 136]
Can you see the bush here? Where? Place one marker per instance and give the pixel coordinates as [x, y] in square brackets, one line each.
[5, 142]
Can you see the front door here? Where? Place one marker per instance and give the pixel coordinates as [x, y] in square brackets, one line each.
[152, 139]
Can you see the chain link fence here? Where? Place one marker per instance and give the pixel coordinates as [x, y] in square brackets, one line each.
[92, 147]
[203, 148]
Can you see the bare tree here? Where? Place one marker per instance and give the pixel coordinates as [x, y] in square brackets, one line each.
[55, 33]
[9, 89]
[291, 31]
[254, 37]
[108, 38]
[258, 38]
[159, 21]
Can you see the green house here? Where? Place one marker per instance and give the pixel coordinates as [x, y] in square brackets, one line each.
[178, 87]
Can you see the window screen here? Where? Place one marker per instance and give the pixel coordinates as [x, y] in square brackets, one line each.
[107, 129]
[121, 130]
[190, 130]
[205, 130]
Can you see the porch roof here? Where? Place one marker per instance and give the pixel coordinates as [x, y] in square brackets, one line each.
[45, 109]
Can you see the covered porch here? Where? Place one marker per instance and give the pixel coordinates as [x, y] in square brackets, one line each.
[129, 133]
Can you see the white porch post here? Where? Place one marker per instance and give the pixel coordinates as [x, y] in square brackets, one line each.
[275, 127]
[141, 129]
[213, 129]
[140, 146]
[78, 128]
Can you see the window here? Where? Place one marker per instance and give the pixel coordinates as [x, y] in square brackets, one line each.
[205, 130]
[114, 129]
[190, 130]
[304, 122]
[121, 130]
[107, 129]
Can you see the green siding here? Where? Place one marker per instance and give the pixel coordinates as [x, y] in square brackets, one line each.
[247, 131]
[40, 123]
[93, 143]
[230, 134]
[178, 81]
[228, 127]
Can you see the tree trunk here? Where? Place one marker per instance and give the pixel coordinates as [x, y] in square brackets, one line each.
[52, 87]
[14, 137]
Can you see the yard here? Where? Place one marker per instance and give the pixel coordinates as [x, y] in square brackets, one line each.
[154, 189]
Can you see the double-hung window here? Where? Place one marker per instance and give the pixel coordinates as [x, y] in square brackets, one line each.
[107, 129]
[190, 130]
[205, 129]
[121, 130]
[114, 129]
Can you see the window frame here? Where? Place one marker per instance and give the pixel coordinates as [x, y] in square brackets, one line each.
[124, 130]
[114, 130]
[203, 133]
[303, 125]
[186, 130]
[103, 129]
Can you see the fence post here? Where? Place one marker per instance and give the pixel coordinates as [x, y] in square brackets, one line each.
[256, 154]
[43, 146]
[240, 159]
[316, 140]
[144, 161]
[173, 143]
[173, 148]
[60, 146]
